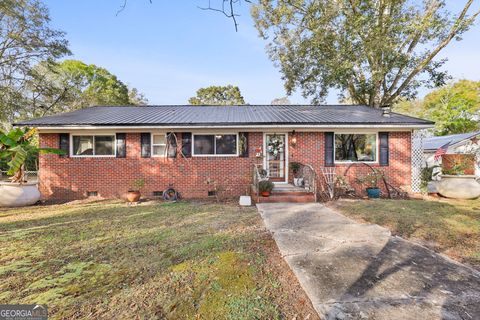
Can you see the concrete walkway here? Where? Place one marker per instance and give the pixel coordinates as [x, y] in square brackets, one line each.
[359, 271]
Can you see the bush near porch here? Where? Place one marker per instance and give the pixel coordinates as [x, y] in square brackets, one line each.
[156, 260]
[447, 226]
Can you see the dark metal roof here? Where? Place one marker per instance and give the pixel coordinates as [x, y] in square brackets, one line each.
[188, 116]
[433, 143]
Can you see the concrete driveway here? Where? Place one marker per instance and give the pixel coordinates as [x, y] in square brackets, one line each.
[359, 271]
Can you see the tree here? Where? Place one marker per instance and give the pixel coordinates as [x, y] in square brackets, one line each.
[281, 101]
[373, 52]
[136, 98]
[455, 108]
[71, 85]
[218, 95]
[25, 39]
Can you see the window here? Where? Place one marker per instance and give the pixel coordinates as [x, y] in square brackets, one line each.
[218, 144]
[356, 147]
[93, 145]
[159, 145]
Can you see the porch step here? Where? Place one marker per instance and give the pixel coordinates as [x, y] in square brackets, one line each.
[286, 193]
[288, 188]
[304, 198]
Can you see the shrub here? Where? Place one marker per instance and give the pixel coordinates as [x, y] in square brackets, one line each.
[265, 186]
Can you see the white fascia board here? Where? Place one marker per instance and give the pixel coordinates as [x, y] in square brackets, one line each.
[257, 128]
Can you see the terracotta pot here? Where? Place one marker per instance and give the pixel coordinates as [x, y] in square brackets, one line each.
[265, 194]
[133, 196]
[14, 194]
[459, 187]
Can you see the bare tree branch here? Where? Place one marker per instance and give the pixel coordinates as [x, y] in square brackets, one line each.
[227, 8]
[453, 32]
[124, 5]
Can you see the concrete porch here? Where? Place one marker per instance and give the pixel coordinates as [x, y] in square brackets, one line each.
[285, 192]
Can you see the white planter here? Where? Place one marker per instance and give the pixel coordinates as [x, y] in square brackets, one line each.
[18, 195]
[298, 182]
[459, 187]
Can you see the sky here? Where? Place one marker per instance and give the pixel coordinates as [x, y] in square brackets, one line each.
[168, 49]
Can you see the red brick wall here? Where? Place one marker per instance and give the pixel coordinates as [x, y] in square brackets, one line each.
[310, 150]
[71, 178]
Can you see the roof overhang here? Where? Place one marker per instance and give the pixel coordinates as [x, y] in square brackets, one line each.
[297, 127]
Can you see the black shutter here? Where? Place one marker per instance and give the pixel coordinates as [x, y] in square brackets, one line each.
[243, 144]
[384, 149]
[329, 148]
[145, 144]
[64, 144]
[121, 145]
[172, 145]
[187, 144]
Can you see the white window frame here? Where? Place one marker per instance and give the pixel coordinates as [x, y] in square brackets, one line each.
[214, 144]
[377, 147]
[152, 144]
[114, 155]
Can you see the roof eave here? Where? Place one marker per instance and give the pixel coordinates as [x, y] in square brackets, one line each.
[233, 126]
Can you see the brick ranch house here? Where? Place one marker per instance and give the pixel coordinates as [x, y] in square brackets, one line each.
[191, 147]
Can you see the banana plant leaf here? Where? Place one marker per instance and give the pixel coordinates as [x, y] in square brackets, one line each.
[18, 159]
[7, 141]
[51, 151]
[16, 134]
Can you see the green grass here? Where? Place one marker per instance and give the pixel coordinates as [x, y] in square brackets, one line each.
[104, 259]
[448, 226]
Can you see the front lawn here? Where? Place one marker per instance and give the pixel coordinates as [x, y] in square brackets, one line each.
[173, 260]
[448, 226]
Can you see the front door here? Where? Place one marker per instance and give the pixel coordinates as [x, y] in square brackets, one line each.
[276, 156]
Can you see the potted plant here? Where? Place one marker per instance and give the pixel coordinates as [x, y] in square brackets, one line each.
[371, 180]
[16, 147]
[133, 195]
[265, 188]
[295, 167]
[457, 178]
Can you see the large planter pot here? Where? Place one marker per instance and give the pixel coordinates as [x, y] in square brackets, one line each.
[373, 193]
[265, 194]
[459, 187]
[133, 196]
[14, 194]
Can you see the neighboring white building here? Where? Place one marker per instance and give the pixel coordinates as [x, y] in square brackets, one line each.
[459, 143]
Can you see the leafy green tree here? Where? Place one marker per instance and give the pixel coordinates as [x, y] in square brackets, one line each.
[455, 108]
[281, 101]
[26, 38]
[218, 95]
[136, 97]
[71, 85]
[373, 52]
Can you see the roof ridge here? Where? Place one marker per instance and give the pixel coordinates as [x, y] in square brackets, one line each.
[235, 105]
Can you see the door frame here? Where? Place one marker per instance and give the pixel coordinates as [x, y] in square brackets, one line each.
[286, 154]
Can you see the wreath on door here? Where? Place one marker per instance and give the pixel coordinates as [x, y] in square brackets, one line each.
[275, 146]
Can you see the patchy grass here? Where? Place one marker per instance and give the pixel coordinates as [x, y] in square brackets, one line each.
[448, 226]
[156, 260]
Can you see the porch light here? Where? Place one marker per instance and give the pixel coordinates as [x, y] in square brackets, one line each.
[294, 139]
